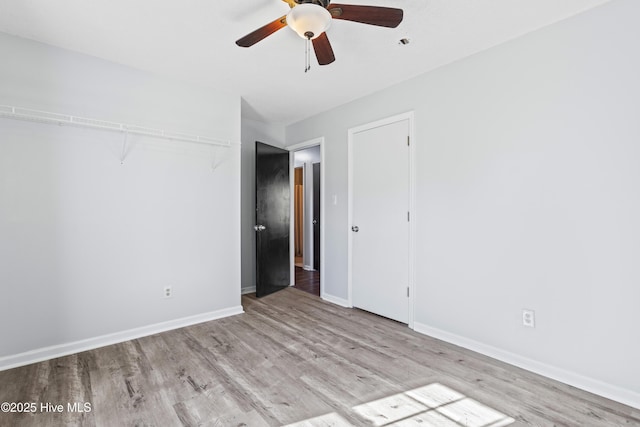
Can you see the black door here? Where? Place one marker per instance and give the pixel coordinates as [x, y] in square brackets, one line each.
[316, 216]
[272, 219]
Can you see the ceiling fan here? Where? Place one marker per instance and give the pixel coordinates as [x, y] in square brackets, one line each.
[311, 18]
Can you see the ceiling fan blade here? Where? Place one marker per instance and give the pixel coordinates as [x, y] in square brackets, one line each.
[323, 49]
[372, 15]
[262, 32]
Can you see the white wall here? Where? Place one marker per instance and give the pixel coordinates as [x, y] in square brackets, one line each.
[87, 244]
[252, 131]
[527, 197]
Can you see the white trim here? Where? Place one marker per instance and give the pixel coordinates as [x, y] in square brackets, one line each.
[413, 219]
[248, 290]
[306, 144]
[410, 117]
[46, 353]
[349, 218]
[625, 396]
[292, 148]
[308, 268]
[336, 300]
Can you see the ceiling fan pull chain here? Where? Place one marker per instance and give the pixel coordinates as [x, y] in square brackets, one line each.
[307, 55]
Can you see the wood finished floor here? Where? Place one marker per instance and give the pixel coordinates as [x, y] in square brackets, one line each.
[308, 281]
[292, 357]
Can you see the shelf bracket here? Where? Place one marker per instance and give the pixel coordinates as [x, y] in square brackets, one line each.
[123, 153]
[216, 158]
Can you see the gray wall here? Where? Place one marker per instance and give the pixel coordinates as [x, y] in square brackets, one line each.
[527, 197]
[87, 244]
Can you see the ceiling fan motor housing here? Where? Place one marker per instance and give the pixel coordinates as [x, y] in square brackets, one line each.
[323, 3]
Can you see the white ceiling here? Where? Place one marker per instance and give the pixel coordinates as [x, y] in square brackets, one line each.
[193, 40]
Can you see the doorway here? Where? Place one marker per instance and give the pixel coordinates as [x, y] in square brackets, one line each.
[307, 213]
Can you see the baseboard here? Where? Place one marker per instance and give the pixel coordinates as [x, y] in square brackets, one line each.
[248, 290]
[625, 396]
[308, 268]
[46, 353]
[335, 300]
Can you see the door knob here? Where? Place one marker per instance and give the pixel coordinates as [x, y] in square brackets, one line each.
[259, 227]
[315, 221]
[355, 228]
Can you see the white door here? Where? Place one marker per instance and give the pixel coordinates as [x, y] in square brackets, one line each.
[380, 220]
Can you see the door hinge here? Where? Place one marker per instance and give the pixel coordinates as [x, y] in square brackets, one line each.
[407, 292]
[408, 216]
[408, 140]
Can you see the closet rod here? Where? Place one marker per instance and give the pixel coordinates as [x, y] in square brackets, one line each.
[20, 113]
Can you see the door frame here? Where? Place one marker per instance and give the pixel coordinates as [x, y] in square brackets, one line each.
[292, 149]
[412, 209]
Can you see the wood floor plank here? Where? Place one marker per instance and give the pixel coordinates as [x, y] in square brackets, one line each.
[293, 359]
[308, 281]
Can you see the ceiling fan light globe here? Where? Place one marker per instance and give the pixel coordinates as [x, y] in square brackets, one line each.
[309, 20]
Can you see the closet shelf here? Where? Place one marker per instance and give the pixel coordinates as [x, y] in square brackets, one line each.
[20, 113]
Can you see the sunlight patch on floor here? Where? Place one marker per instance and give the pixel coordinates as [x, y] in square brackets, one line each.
[393, 408]
[328, 420]
[432, 405]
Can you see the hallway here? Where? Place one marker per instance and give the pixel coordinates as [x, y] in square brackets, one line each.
[308, 281]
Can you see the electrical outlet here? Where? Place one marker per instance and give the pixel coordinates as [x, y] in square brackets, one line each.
[529, 318]
[168, 292]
